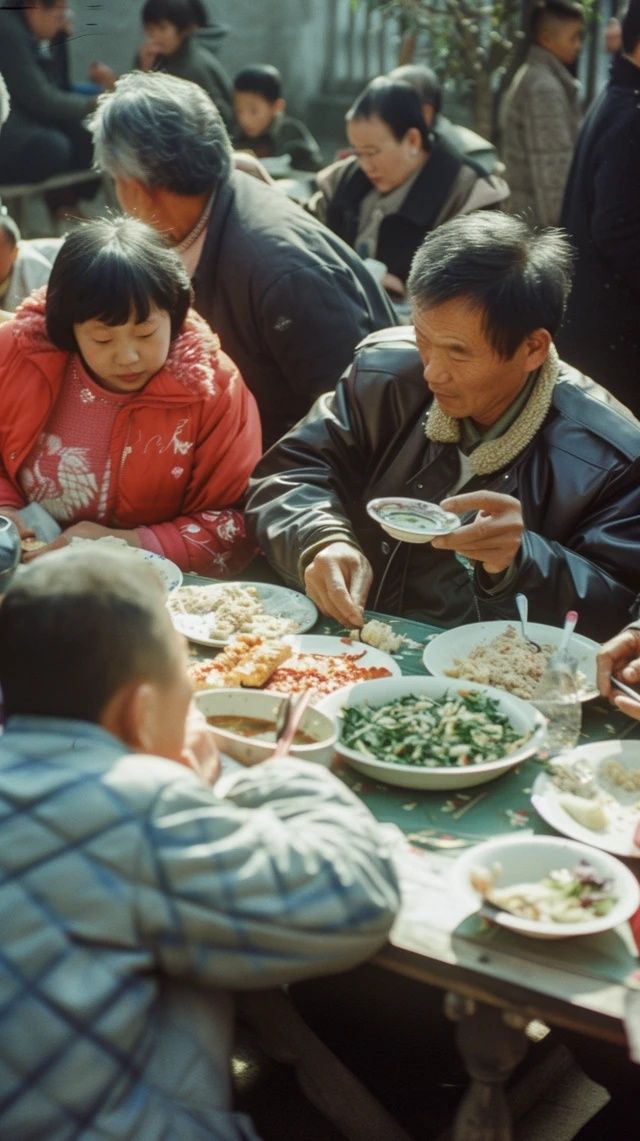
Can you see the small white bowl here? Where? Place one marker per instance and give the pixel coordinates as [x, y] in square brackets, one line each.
[412, 520]
[263, 705]
[526, 859]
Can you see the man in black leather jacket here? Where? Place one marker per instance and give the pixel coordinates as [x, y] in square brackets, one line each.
[543, 472]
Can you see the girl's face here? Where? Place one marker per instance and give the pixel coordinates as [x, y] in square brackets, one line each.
[164, 37]
[123, 358]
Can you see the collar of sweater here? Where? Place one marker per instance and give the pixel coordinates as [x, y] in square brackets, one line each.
[496, 454]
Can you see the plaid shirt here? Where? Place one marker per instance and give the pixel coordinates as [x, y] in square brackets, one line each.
[134, 899]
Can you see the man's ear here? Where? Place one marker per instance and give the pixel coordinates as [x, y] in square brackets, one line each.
[131, 715]
[537, 344]
[414, 139]
[134, 197]
[279, 105]
[428, 114]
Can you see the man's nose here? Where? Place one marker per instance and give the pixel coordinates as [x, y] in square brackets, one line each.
[434, 368]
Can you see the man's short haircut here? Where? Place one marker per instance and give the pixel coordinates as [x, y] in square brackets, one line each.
[162, 131]
[75, 626]
[260, 79]
[109, 268]
[518, 277]
[9, 228]
[423, 79]
[553, 12]
[5, 102]
[631, 27]
[183, 14]
[395, 102]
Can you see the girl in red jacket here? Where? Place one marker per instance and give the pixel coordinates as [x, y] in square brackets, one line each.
[119, 413]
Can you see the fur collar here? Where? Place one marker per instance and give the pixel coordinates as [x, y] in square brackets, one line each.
[496, 454]
[193, 354]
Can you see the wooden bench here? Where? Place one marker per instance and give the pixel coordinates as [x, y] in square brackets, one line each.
[17, 193]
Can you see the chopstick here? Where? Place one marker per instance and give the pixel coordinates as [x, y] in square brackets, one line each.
[626, 689]
[294, 716]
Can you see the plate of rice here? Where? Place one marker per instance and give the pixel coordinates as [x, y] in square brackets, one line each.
[494, 653]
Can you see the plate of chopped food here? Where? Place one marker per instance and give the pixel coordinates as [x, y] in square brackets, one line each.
[547, 887]
[291, 664]
[495, 653]
[429, 733]
[170, 574]
[592, 794]
[210, 615]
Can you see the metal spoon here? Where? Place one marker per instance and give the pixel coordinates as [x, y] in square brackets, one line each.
[522, 606]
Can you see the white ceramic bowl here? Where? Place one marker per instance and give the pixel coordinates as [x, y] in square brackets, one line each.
[258, 703]
[461, 642]
[412, 520]
[526, 859]
[522, 715]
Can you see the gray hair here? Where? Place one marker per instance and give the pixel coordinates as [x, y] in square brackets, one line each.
[162, 131]
[4, 102]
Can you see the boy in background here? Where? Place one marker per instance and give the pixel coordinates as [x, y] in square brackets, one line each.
[261, 123]
[540, 115]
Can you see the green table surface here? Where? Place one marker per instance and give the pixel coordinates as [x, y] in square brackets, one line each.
[501, 807]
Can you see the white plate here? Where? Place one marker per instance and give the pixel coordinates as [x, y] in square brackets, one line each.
[279, 601]
[170, 574]
[439, 654]
[526, 859]
[522, 715]
[623, 816]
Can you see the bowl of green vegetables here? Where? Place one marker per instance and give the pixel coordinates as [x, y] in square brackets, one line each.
[433, 732]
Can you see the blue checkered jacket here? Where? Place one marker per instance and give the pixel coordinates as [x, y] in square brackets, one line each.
[134, 900]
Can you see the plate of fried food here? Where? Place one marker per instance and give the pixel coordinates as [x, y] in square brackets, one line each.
[592, 794]
[213, 614]
[292, 664]
[494, 653]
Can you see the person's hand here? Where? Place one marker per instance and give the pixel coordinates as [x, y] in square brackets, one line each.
[14, 515]
[102, 74]
[495, 535]
[338, 579]
[147, 55]
[200, 751]
[621, 657]
[85, 530]
[393, 285]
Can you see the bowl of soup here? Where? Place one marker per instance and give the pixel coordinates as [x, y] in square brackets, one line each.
[412, 520]
[243, 723]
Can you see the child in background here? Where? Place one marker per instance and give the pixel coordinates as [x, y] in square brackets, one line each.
[261, 124]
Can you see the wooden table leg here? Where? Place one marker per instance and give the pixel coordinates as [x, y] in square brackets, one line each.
[492, 1042]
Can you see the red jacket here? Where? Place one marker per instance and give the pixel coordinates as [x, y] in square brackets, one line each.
[181, 451]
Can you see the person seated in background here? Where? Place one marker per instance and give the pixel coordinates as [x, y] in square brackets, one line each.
[119, 414]
[261, 123]
[44, 133]
[163, 894]
[174, 44]
[429, 88]
[478, 414]
[400, 183]
[540, 113]
[24, 265]
[289, 300]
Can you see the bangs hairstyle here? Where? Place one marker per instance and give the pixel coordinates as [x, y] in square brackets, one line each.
[77, 626]
[395, 102]
[183, 14]
[518, 277]
[108, 269]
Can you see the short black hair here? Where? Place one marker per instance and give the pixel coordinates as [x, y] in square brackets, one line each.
[9, 228]
[423, 79]
[631, 27]
[544, 14]
[395, 102]
[77, 624]
[520, 278]
[183, 14]
[108, 268]
[260, 79]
